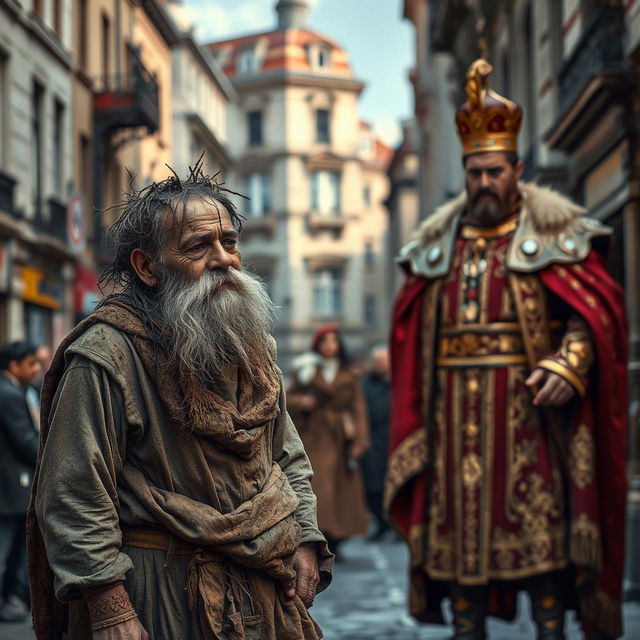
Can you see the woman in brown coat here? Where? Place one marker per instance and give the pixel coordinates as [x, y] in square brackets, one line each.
[327, 406]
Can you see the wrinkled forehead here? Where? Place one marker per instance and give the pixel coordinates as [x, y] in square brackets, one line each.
[196, 215]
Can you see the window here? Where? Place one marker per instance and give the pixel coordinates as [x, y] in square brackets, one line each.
[365, 144]
[257, 186]
[37, 7]
[247, 61]
[325, 192]
[323, 57]
[106, 49]
[369, 257]
[327, 292]
[36, 146]
[322, 125]
[255, 128]
[366, 196]
[319, 56]
[370, 310]
[82, 33]
[38, 323]
[58, 151]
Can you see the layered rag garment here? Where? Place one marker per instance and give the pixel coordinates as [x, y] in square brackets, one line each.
[220, 472]
[485, 487]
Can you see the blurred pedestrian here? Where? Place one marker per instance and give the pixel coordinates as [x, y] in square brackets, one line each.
[376, 385]
[509, 420]
[328, 409]
[18, 453]
[44, 356]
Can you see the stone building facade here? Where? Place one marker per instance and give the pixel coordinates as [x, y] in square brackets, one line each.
[36, 263]
[316, 228]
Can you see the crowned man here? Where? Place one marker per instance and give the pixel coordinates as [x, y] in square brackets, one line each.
[507, 464]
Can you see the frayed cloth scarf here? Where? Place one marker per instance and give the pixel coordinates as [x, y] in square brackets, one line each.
[260, 534]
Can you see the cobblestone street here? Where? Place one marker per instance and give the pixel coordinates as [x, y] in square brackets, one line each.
[367, 601]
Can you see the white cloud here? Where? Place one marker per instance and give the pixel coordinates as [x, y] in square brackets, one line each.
[225, 19]
[221, 19]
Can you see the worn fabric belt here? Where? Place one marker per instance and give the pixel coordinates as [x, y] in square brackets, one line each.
[159, 540]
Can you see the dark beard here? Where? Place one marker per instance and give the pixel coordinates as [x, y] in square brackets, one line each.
[487, 210]
[222, 319]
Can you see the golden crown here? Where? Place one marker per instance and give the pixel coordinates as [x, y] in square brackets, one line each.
[486, 121]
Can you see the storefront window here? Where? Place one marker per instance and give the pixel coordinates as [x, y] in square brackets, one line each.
[38, 321]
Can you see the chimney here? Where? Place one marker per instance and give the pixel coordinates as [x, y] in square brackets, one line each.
[292, 14]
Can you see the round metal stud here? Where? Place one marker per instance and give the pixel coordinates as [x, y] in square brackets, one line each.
[530, 247]
[568, 245]
[434, 254]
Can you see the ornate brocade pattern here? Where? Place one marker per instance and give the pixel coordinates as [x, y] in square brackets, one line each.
[495, 503]
[582, 457]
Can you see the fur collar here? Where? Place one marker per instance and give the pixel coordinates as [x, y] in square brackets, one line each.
[549, 212]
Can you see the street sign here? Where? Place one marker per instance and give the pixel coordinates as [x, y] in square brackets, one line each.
[76, 231]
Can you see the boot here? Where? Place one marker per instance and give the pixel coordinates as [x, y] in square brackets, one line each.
[547, 605]
[469, 605]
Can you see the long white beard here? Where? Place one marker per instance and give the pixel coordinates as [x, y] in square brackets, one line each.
[222, 319]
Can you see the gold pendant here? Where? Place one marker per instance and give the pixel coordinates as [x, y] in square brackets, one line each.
[471, 312]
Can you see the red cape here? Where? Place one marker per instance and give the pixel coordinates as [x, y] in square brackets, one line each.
[601, 304]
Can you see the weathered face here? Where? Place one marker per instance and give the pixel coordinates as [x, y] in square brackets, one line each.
[26, 370]
[492, 186]
[203, 240]
[329, 346]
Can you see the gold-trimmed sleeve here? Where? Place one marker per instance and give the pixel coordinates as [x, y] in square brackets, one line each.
[565, 372]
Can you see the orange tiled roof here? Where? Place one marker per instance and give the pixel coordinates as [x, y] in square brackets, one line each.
[282, 50]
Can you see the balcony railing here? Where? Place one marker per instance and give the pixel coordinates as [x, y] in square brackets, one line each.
[599, 51]
[128, 100]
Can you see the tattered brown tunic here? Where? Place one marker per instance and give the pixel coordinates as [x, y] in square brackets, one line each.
[113, 461]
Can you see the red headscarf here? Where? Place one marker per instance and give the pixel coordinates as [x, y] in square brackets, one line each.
[321, 332]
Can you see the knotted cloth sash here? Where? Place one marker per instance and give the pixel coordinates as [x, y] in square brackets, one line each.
[260, 534]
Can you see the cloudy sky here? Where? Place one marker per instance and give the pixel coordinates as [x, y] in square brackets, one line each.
[379, 43]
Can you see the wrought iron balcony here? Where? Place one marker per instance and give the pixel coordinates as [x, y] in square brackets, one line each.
[599, 51]
[128, 100]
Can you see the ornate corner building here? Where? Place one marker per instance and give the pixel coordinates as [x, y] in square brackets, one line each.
[573, 66]
[316, 228]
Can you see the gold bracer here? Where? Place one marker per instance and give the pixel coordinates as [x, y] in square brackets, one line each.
[575, 357]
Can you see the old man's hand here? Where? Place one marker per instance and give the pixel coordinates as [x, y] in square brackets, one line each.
[305, 563]
[555, 391]
[129, 630]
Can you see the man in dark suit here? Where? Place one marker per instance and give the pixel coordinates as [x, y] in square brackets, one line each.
[376, 385]
[18, 452]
